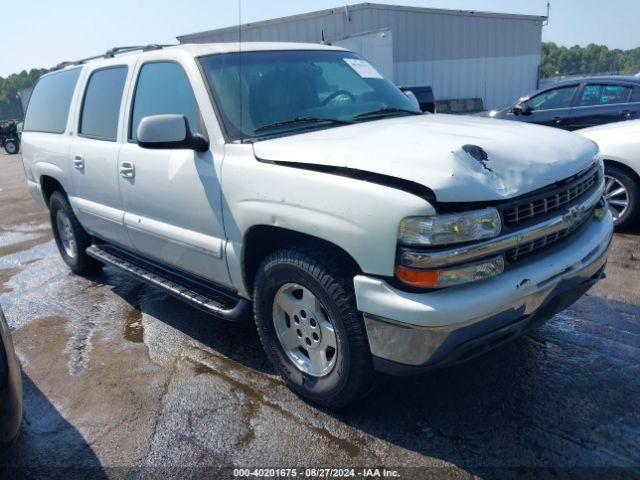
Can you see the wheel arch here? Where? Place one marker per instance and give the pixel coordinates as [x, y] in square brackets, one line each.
[261, 240]
[622, 166]
[49, 184]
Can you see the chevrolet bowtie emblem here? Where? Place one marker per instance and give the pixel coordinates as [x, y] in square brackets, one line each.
[572, 217]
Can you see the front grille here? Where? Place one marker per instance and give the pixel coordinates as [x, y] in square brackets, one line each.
[528, 209]
[535, 246]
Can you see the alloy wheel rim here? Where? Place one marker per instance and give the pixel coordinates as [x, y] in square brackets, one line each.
[11, 147]
[304, 330]
[617, 197]
[65, 233]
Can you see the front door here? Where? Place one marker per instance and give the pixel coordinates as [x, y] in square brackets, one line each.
[94, 156]
[551, 107]
[172, 198]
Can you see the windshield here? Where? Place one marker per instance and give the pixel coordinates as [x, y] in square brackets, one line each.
[262, 94]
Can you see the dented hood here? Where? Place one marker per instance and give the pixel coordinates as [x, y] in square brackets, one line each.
[460, 158]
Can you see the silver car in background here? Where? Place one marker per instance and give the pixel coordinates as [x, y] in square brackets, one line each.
[620, 149]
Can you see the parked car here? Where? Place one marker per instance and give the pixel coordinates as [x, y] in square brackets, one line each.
[424, 96]
[10, 388]
[366, 234]
[9, 136]
[577, 103]
[620, 149]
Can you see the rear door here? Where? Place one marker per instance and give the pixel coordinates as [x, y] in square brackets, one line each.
[94, 154]
[551, 107]
[172, 197]
[600, 103]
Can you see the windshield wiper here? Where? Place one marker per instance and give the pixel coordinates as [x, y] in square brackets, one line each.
[300, 121]
[381, 112]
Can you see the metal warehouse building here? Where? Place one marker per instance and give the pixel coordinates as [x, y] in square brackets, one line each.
[461, 54]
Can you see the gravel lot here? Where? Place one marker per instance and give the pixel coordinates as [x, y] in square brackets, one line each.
[121, 379]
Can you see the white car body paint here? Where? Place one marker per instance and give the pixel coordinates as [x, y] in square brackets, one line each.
[427, 150]
[617, 141]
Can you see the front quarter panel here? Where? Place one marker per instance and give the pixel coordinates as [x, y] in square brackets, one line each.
[360, 217]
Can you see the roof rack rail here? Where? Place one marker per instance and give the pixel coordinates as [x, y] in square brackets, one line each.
[112, 53]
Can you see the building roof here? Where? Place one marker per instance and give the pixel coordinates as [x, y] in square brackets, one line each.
[360, 6]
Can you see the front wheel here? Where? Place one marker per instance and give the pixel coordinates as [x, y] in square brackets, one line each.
[623, 196]
[70, 237]
[310, 328]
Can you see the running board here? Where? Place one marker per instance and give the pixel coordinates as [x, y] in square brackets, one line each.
[203, 296]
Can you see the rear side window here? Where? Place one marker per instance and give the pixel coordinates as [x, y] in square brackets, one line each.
[101, 105]
[163, 88]
[49, 103]
[635, 96]
[604, 95]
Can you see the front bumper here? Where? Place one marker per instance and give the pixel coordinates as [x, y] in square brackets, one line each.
[412, 332]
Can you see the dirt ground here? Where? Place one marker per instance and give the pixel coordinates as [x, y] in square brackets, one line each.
[121, 380]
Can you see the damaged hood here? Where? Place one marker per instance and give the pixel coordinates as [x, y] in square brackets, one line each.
[460, 158]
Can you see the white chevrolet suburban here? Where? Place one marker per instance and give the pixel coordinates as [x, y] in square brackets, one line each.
[296, 180]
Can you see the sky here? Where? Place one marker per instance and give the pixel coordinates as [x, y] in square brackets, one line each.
[43, 33]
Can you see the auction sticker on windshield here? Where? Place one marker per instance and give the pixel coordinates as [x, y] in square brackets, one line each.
[363, 68]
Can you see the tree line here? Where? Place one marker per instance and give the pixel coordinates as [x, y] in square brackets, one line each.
[592, 59]
[9, 87]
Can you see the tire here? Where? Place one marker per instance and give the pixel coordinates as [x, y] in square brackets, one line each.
[11, 146]
[70, 237]
[321, 274]
[616, 180]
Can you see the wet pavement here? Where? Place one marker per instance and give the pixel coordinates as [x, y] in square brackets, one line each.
[121, 380]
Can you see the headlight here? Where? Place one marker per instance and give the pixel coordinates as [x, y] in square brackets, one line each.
[450, 228]
[471, 272]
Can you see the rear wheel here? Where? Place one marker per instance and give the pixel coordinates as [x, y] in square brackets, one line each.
[623, 196]
[310, 328]
[70, 237]
[11, 146]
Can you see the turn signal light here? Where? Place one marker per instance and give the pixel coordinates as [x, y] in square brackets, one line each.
[471, 272]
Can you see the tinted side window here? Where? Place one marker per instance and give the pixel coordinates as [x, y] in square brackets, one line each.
[163, 88]
[604, 95]
[556, 98]
[635, 96]
[101, 106]
[49, 103]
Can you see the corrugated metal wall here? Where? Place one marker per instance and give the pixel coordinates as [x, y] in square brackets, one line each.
[462, 55]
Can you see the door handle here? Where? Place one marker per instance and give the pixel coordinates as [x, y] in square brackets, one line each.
[78, 162]
[127, 170]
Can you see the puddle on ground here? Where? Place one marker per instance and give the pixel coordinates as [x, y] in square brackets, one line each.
[7, 274]
[24, 245]
[134, 329]
[255, 399]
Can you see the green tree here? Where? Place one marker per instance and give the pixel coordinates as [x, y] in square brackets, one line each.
[592, 59]
[9, 87]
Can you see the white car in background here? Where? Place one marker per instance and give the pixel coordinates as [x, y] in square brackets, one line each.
[620, 149]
